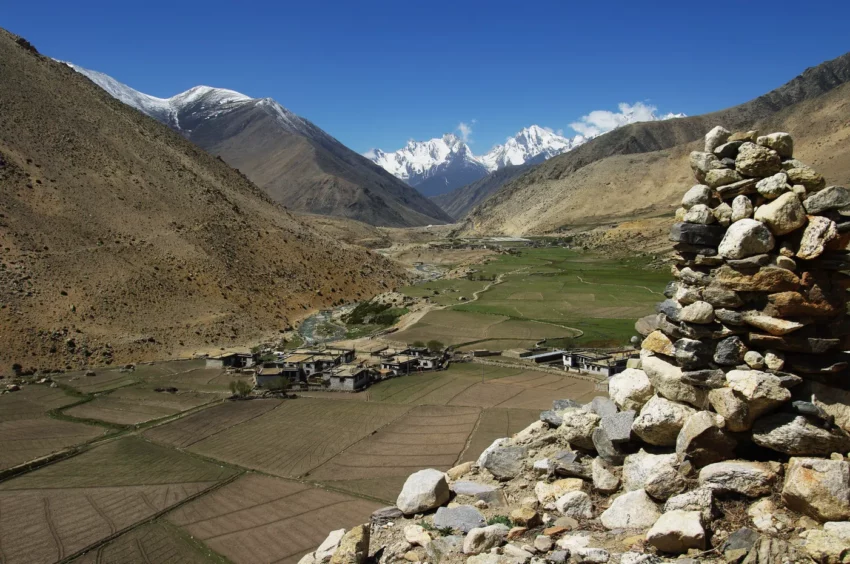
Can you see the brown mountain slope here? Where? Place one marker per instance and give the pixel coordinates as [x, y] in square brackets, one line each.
[121, 240]
[636, 170]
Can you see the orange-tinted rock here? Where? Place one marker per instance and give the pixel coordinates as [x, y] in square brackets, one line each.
[768, 279]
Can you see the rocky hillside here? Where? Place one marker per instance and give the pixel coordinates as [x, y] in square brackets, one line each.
[635, 171]
[297, 164]
[726, 441]
[122, 241]
[460, 201]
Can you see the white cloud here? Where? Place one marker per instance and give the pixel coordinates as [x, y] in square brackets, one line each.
[465, 130]
[598, 122]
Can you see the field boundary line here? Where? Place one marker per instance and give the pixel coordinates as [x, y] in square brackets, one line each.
[224, 429]
[149, 519]
[469, 437]
[555, 371]
[580, 279]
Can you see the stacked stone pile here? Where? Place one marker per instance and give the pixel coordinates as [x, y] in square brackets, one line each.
[727, 441]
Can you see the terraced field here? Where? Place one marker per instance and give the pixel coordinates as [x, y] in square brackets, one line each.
[131, 406]
[159, 542]
[263, 519]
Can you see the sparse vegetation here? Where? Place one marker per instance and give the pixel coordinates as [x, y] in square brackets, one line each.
[240, 388]
[500, 520]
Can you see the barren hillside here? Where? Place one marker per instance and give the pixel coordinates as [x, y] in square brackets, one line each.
[634, 171]
[121, 241]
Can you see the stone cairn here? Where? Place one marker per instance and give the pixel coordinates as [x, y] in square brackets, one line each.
[727, 441]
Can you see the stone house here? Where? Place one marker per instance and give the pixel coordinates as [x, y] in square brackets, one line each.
[604, 364]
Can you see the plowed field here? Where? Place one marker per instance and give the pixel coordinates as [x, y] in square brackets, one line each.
[158, 542]
[131, 406]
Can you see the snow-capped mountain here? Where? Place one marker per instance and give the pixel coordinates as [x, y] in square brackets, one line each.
[532, 144]
[294, 161]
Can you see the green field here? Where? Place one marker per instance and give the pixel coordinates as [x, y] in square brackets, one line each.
[600, 296]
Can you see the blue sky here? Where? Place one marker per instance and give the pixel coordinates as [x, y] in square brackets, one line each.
[375, 74]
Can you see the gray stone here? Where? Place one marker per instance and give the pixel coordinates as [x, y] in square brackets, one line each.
[818, 488]
[730, 351]
[744, 238]
[504, 462]
[632, 510]
[562, 404]
[715, 138]
[755, 160]
[728, 151]
[669, 308]
[729, 317]
[558, 556]
[722, 177]
[763, 392]
[752, 479]
[754, 360]
[630, 389]
[773, 186]
[677, 532]
[702, 162]
[753, 262]
[699, 214]
[740, 188]
[721, 297]
[571, 464]
[618, 426]
[742, 208]
[443, 547]
[704, 441]
[667, 381]
[386, 515]
[591, 556]
[552, 418]
[699, 499]
[831, 198]
[692, 354]
[578, 427]
[423, 490]
[609, 451]
[709, 378]
[695, 234]
[723, 214]
[484, 538]
[806, 176]
[663, 482]
[463, 518]
[697, 312]
[738, 545]
[783, 215]
[690, 276]
[793, 434]
[780, 142]
[470, 488]
[602, 406]
[638, 467]
[604, 481]
[543, 543]
[576, 505]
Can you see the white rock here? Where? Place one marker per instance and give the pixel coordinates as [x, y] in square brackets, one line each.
[423, 490]
[715, 138]
[604, 481]
[484, 538]
[591, 556]
[677, 532]
[630, 389]
[780, 142]
[698, 312]
[773, 186]
[762, 391]
[416, 535]
[638, 467]
[660, 421]
[742, 208]
[329, 545]
[549, 492]
[666, 378]
[746, 238]
[818, 488]
[754, 360]
[752, 479]
[632, 510]
[700, 214]
[699, 499]
[576, 505]
[577, 428]
[783, 215]
[699, 194]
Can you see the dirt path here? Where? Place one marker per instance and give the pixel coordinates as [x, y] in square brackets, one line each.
[580, 279]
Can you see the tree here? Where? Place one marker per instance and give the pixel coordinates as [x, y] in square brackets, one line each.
[418, 344]
[240, 388]
[435, 346]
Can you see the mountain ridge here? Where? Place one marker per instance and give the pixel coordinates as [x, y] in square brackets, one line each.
[297, 163]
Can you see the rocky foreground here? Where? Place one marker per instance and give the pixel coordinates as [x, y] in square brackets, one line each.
[727, 441]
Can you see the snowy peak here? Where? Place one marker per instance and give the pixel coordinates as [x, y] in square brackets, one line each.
[530, 144]
[413, 162]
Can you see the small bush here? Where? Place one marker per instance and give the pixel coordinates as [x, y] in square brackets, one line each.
[240, 388]
[435, 346]
[500, 520]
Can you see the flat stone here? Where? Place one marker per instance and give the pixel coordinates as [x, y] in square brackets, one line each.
[423, 490]
[736, 547]
[618, 426]
[790, 343]
[773, 186]
[755, 160]
[818, 488]
[732, 407]
[699, 499]
[470, 488]
[751, 479]
[632, 510]
[721, 177]
[730, 351]
[832, 198]
[740, 188]
[721, 297]
[696, 234]
[768, 279]
[708, 378]
[604, 481]
[576, 505]
[697, 312]
[702, 162]
[750, 263]
[386, 515]
[571, 464]
[806, 176]
[638, 467]
[727, 150]
[612, 452]
[783, 215]
[773, 325]
[796, 435]
[552, 418]
[601, 406]
[677, 532]
[577, 429]
[744, 136]
[504, 462]
[716, 137]
[818, 232]
[780, 142]
[703, 440]
[763, 392]
[631, 388]
[667, 381]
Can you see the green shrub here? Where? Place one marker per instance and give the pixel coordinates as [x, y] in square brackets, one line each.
[500, 520]
[240, 388]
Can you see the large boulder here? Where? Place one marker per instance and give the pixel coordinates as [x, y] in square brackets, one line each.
[677, 531]
[666, 378]
[631, 388]
[354, 546]
[422, 491]
[818, 488]
[504, 462]
[703, 440]
[745, 238]
[638, 468]
[755, 160]
[660, 421]
[577, 429]
[783, 215]
[752, 479]
[796, 435]
[462, 518]
[632, 510]
[763, 392]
